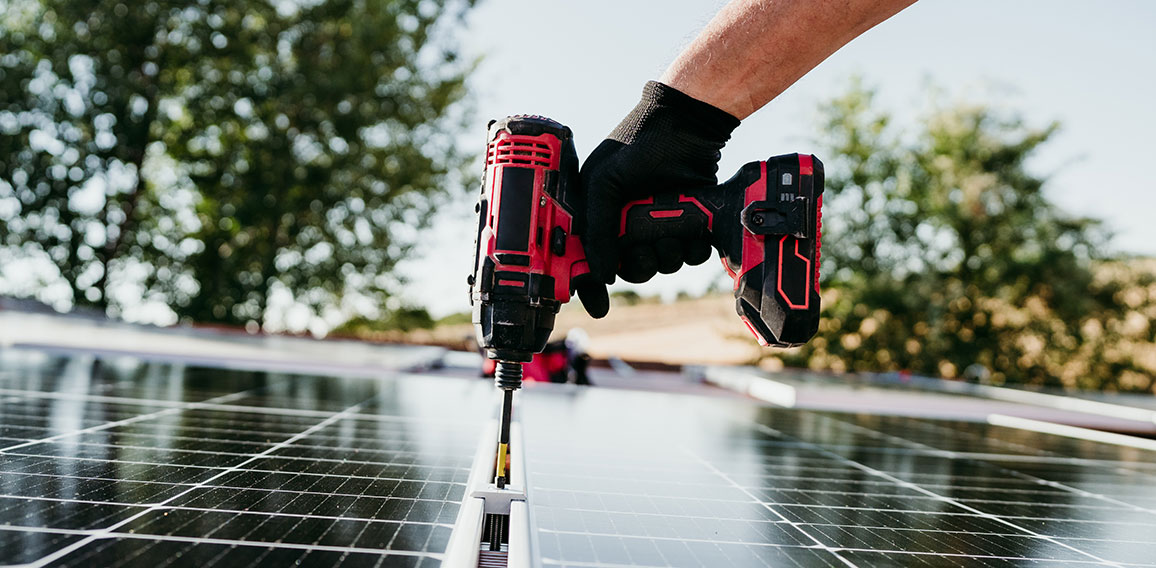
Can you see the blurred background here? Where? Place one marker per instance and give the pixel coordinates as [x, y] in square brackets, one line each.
[310, 168]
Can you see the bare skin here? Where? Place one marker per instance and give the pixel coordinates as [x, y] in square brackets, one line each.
[754, 49]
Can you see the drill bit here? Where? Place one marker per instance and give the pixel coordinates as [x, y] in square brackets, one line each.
[508, 377]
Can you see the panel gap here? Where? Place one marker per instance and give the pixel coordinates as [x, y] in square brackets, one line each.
[494, 546]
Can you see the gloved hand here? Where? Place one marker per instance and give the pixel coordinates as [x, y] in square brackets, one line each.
[592, 292]
[670, 142]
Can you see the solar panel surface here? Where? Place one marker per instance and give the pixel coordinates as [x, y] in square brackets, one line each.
[126, 463]
[643, 479]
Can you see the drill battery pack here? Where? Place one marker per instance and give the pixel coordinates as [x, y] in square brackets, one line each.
[766, 223]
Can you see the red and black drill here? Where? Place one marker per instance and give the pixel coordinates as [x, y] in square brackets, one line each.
[764, 221]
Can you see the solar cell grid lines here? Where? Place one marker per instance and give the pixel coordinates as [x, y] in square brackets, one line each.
[124, 463]
[710, 482]
[133, 464]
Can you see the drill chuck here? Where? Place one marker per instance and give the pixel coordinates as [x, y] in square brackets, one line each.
[508, 375]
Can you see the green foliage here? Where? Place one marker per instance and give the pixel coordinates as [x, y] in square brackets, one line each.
[459, 318]
[942, 252]
[626, 297]
[401, 319]
[222, 152]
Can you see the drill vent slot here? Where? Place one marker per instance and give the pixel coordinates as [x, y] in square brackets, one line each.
[522, 153]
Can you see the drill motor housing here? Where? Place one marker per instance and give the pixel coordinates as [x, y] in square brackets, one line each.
[527, 250]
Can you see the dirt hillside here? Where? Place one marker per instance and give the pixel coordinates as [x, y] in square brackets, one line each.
[699, 331]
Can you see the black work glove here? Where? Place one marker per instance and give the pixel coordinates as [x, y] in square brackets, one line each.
[670, 142]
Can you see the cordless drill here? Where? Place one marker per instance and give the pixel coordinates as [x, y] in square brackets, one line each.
[764, 221]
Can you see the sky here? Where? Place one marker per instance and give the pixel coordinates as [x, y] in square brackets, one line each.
[1090, 65]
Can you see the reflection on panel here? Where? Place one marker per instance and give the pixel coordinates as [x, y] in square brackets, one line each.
[666, 480]
[139, 463]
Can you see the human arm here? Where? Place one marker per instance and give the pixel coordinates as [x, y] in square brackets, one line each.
[747, 55]
[752, 50]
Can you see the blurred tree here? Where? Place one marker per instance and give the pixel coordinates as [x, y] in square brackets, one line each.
[75, 114]
[221, 152]
[404, 318]
[943, 256]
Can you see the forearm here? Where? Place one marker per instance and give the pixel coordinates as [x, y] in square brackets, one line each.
[754, 49]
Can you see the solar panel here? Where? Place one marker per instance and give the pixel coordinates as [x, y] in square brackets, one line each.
[122, 463]
[126, 463]
[642, 479]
